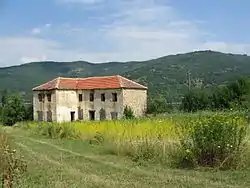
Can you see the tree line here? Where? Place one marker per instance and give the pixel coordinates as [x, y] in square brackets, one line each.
[234, 95]
[13, 109]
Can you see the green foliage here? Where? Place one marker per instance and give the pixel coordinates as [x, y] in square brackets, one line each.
[128, 113]
[53, 130]
[160, 104]
[234, 95]
[28, 113]
[195, 100]
[4, 95]
[13, 110]
[215, 141]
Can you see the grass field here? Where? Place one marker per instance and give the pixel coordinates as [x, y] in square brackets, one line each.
[61, 163]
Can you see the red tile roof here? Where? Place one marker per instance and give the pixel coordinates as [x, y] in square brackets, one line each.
[104, 82]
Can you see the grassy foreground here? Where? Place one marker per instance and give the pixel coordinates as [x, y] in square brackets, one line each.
[74, 163]
[99, 154]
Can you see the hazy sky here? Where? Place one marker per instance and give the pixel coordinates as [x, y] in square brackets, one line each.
[119, 30]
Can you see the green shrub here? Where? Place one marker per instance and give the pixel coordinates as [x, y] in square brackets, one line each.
[128, 113]
[215, 141]
[54, 130]
[97, 139]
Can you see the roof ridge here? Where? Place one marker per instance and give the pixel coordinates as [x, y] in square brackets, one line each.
[58, 82]
[120, 80]
[88, 77]
[44, 84]
[136, 83]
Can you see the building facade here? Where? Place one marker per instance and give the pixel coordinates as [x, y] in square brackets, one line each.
[92, 98]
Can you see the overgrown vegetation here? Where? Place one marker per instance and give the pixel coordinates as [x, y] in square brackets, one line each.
[12, 165]
[128, 113]
[213, 140]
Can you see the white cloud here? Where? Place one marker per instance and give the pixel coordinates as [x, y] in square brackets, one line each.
[135, 30]
[36, 31]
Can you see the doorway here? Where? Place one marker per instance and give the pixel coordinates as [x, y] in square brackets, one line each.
[72, 116]
[91, 115]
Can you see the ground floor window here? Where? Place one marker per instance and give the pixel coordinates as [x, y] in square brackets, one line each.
[114, 115]
[40, 115]
[102, 114]
[91, 115]
[80, 113]
[49, 116]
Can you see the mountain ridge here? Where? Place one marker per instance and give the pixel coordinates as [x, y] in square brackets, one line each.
[164, 76]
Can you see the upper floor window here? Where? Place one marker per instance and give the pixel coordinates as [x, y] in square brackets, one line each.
[91, 96]
[114, 97]
[103, 97]
[49, 97]
[80, 97]
[40, 97]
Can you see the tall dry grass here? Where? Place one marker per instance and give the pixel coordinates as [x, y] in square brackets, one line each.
[12, 166]
[171, 140]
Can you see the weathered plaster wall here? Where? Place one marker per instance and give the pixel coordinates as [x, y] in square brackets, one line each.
[108, 105]
[136, 99]
[44, 105]
[67, 101]
[63, 102]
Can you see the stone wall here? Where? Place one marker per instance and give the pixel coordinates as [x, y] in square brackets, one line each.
[65, 102]
[136, 99]
[108, 105]
[44, 106]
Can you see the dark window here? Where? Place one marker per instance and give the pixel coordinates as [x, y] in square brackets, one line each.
[102, 114]
[114, 97]
[103, 97]
[40, 97]
[49, 97]
[72, 116]
[49, 116]
[91, 96]
[91, 115]
[80, 97]
[113, 115]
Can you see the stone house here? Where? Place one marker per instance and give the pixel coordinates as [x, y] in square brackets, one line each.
[92, 98]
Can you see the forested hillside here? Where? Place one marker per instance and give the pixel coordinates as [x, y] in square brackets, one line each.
[168, 76]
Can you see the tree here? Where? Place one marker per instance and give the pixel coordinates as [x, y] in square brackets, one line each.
[195, 100]
[28, 113]
[13, 111]
[159, 105]
[4, 94]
